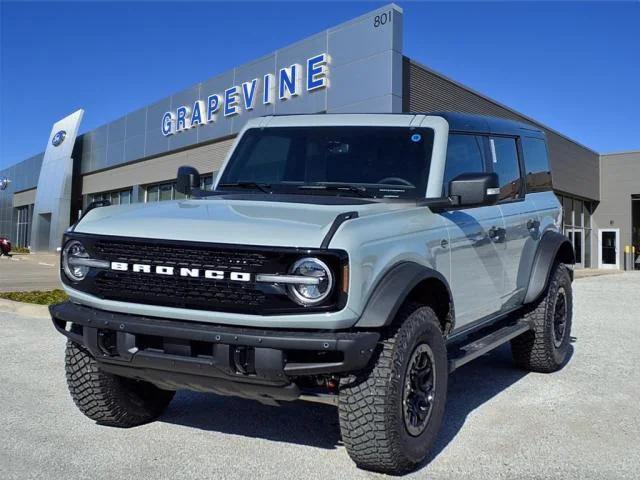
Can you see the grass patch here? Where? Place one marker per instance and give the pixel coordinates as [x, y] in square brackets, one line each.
[20, 250]
[37, 297]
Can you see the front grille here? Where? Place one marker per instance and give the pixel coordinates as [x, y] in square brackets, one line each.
[184, 292]
[179, 291]
[157, 254]
[197, 292]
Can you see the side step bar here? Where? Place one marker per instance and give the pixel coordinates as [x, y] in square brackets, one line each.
[483, 345]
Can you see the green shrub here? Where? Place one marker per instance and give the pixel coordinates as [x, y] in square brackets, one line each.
[38, 297]
[20, 250]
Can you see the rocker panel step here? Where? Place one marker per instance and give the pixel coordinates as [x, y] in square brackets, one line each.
[483, 345]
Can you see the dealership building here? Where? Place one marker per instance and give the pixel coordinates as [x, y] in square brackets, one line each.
[357, 66]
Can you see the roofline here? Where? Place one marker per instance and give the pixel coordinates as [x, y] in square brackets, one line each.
[495, 102]
[628, 152]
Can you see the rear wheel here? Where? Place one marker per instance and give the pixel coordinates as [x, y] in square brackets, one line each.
[109, 399]
[546, 347]
[390, 414]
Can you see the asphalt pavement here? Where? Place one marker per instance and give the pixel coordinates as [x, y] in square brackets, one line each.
[38, 271]
[501, 423]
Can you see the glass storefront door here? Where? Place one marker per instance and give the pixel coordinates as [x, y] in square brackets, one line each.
[576, 236]
[609, 247]
[576, 222]
[23, 225]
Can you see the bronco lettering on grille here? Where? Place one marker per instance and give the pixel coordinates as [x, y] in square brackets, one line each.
[182, 271]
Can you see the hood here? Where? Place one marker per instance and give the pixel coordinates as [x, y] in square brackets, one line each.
[243, 222]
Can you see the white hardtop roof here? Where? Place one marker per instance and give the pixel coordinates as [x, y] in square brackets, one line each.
[331, 119]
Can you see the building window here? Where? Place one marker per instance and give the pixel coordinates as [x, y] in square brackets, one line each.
[152, 193]
[160, 192]
[118, 197]
[206, 181]
[23, 224]
[166, 192]
[576, 222]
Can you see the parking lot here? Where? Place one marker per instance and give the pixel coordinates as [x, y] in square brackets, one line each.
[582, 422]
[29, 272]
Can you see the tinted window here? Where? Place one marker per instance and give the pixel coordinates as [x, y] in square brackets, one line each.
[536, 164]
[384, 161]
[465, 154]
[504, 153]
[264, 158]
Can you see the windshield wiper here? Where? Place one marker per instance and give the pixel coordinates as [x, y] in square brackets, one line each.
[360, 191]
[263, 187]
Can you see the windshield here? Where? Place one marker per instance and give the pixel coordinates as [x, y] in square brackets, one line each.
[391, 162]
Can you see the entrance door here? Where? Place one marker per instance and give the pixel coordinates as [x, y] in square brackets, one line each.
[576, 236]
[609, 246]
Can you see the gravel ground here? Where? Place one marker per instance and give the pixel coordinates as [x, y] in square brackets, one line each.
[582, 422]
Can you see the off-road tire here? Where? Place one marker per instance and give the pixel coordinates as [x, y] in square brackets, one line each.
[536, 350]
[109, 399]
[371, 403]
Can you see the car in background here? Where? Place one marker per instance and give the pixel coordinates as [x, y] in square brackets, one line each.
[5, 246]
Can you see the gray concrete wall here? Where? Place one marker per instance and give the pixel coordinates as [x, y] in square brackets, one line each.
[206, 159]
[26, 197]
[619, 180]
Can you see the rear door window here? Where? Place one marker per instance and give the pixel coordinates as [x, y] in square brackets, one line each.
[536, 162]
[504, 161]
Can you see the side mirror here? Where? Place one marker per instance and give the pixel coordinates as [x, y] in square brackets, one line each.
[188, 180]
[475, 189]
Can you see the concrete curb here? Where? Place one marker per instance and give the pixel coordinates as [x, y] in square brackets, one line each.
[26, 309]
[592, 272]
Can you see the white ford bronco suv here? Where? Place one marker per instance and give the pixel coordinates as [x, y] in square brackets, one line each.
[352, 259]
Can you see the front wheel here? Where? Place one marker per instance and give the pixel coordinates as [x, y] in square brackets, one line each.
[390, 415]
[109, 399]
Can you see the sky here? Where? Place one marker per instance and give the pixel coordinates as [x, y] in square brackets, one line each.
[574, 66]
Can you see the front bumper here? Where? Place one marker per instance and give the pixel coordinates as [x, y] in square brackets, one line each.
[174, 354]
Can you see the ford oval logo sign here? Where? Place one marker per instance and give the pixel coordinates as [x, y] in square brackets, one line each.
[4, 183]
[58, 138]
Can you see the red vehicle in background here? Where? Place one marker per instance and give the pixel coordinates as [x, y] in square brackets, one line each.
[5, 246]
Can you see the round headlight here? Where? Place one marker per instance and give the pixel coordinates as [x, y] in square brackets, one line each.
[312, 294]
[74, 250]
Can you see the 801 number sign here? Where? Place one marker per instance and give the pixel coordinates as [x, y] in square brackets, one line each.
[382, 19]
